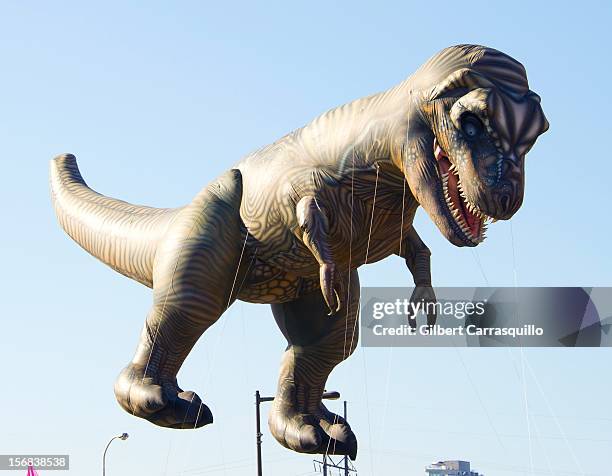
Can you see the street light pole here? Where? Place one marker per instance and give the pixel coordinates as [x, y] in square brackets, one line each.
[346, 463]
[259, 399]
[328, 463]
[122, 436]
[258, 432]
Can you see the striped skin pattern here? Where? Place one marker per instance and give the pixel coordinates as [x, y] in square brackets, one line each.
[292, 222]
[121, 235]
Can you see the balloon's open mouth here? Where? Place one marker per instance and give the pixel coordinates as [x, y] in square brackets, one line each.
[471, 222]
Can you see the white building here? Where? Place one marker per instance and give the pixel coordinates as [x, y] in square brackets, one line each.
[450, 468]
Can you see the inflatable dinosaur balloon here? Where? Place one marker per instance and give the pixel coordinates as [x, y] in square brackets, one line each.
[290, 224]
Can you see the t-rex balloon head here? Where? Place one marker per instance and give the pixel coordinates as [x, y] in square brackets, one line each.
[467, 139]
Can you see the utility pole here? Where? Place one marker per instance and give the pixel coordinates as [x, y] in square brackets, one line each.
[258, 431]
[344, 464]
[258, 400]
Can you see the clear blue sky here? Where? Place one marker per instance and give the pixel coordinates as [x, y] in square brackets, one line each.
[157, 98]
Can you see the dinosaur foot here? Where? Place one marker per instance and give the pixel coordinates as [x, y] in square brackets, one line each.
[160, 401]
[320, 432]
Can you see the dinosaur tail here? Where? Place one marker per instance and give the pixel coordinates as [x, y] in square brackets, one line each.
[119, 234]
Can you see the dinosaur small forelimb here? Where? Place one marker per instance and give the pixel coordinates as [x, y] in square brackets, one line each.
[314, 228]
[419, 264]
[418, 260]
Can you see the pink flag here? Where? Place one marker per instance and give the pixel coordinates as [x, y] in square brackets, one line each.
[31, 471]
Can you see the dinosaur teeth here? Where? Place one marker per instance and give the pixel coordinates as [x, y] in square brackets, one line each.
[450, 194]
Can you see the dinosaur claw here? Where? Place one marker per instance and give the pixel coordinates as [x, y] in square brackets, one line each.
[163, 404]
[185, 411]
[339, 306]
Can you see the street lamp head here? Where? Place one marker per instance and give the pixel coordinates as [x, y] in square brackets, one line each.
[123, 436]
[331, 396]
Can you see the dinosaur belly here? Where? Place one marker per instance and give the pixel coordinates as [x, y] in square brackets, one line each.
[266, 284]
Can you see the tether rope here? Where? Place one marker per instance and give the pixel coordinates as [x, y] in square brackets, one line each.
[170, 286]
[348, 306]
[522, 352]
[220, 336]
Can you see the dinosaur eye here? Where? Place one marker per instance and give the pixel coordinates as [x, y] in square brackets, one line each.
[471, 125]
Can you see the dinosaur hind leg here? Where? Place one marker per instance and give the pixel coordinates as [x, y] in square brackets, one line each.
[317, 343]
[197, 268]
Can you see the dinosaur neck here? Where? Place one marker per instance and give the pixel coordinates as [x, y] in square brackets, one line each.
[371, 129]
[383, 139]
